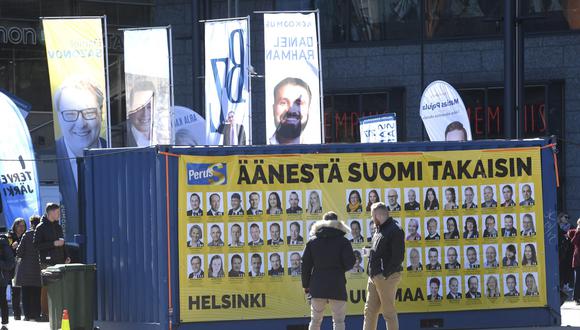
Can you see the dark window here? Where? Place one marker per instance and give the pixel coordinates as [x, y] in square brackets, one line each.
[368, 20]
[460, 18]
[342, 113]
[541, 116]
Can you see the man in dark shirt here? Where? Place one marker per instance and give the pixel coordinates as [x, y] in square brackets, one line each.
[384, 269]
[49, 240]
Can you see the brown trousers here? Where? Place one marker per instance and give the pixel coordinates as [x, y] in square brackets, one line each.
[381, 293]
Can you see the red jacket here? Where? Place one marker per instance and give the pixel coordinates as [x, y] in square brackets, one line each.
[574, 236]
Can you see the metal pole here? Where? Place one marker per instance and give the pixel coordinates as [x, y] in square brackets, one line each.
[322, 134]
[108, 98]
[508, 67]
[172, 98]
[195, 57]
[250, 114]
[422, 47]
[519, 67]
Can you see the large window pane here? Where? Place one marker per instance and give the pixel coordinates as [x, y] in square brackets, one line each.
[343, 111]
[456, 18]
[333, 21]
[368, 20]
[550, 15]
[541, 115]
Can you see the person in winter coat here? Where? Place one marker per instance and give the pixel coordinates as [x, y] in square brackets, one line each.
[326, 257]
[574, 235]
[6, 271]
[384, 269]
[49, 240]
[14, 238]
[28, 272]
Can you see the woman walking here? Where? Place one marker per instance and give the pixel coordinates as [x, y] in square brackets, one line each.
[6, 271]
[14, 238]
[28, 272]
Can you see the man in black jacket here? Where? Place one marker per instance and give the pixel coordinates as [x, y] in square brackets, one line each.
[49, 240]
[327, 256]
[384, 269]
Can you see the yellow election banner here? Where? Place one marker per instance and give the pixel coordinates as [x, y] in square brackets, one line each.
[473, 224]
[75, 55]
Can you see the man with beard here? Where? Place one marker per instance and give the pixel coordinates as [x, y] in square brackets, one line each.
[292, 97]
[294, 202]
[295, 264]
[473, 285]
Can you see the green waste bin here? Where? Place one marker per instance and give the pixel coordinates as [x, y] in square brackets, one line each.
[71, 287]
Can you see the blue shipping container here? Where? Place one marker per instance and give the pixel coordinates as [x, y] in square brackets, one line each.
[126, 235]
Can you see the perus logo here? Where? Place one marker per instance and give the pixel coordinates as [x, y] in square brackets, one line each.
[207, 174]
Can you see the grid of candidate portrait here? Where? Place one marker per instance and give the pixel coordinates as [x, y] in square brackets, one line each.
[466, 241]
[252, 234]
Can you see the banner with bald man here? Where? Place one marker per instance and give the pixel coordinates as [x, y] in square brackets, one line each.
[76, 64]
[147, 85]
[227, 84]
[292, 68]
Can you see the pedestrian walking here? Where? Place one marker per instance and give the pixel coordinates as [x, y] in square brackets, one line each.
[565, 251]
[6, 270]
[14, 238]
[384, 269]
[574, 235]
[49, 240]
[28, 272]
[327, 256]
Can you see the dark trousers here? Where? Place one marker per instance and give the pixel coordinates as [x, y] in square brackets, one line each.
[15, 292]
[3, 304]
[31, 301]
[577, 284]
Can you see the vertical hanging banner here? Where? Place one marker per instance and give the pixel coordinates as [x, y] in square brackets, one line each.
[292, 67]
[444, 114]
[20, 193]
[379, 128]
[227, 96]
[147, 85]
[76, 64]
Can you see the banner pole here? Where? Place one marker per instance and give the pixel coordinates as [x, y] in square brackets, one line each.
[171, 98]
[250, 114]
[106, 45]
[321, 94]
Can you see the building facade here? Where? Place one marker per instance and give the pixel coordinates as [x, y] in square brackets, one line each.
[377, 56]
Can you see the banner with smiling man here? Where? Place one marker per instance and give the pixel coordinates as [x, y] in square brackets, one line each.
[76, 64]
